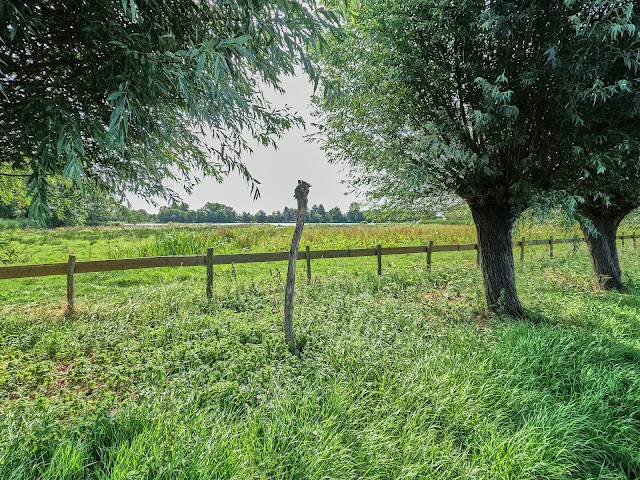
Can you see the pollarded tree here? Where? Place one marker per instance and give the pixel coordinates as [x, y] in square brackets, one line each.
[605, 171]
[474, 98]
[609, 189]
[130, 93]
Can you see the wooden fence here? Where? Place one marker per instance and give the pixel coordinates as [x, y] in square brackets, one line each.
[71, 267]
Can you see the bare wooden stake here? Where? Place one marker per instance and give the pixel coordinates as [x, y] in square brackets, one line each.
[210, 272]
[633, 237]
[522, 249]
[622, 239]
[300, 194]
[71, 267]
[379, 254]
[550, 247]
[308, 257]
[477, 254]
[429, 252]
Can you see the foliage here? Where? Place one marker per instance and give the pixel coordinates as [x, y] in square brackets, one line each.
[458, 212]
[129, 94]
[605, 172]
[13, 201]
[609, 183]
[437, 100]
[220, 213]
[67, 206]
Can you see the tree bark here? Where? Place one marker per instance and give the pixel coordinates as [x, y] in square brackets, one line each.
[602, 245]
[494, 224]
[301, 192]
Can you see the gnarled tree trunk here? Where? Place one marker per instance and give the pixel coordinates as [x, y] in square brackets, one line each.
[301, 192]
[494, 224]
[602, 245]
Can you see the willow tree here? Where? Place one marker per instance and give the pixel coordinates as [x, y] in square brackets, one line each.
[129, 94]
[474, 98]
[609, 189]
[605, 173]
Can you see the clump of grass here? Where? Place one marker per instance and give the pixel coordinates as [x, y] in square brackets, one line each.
[15, 224]
[12, 253]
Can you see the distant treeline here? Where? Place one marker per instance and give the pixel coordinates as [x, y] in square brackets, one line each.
[102, 211]
[69, 207]
[220, 213]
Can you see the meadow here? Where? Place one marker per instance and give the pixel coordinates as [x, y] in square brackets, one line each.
[19, 246]
[400, 376]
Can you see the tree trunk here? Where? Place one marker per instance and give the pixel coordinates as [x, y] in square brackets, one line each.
[301, 192]
[602, 246]
[494, 225]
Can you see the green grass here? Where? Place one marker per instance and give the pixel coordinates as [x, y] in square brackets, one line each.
[402, 376]
[54, 245]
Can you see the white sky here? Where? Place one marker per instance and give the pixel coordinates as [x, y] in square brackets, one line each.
[278, 170]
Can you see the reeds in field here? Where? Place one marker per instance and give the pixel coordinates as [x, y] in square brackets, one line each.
[44, 246]
[268, 238]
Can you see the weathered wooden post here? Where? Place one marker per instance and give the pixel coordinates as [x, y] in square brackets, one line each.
[301, 193]
[210, 272]
[633, 237]
[308, 258]
[429, 252]
[379, 254]
[71, 267]
[622, 239]
[550, 247]
[522, 249]
[478, 255]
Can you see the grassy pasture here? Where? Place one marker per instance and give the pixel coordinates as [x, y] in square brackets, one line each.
[402, 376]
[54, 245]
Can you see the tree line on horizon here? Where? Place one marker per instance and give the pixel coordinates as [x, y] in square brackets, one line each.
[102, 211]
[180, 212]
[70, 207]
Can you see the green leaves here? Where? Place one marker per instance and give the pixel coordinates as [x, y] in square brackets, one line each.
[132, 94]
[478, 99]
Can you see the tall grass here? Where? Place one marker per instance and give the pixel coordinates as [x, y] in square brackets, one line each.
[265, 238]
[54, 245]
[15, 224]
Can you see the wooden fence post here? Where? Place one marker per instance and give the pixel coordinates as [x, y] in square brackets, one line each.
[477, 255]
[622, 238]
[379, 254]
[522, 249]
[209, 272]
[633, 237]
[429, 252]
[300, 194]
[550, 247]
[71, 267]
[308, 257]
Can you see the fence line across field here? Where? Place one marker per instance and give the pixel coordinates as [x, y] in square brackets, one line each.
[72, 266]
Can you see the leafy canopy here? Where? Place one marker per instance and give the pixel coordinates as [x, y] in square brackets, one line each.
[128, 94]
[486, 100]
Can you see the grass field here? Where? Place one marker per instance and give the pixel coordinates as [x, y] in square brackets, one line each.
[54, 245]
[400, 376]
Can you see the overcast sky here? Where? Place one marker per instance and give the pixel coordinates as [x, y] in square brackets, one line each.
[278, 170]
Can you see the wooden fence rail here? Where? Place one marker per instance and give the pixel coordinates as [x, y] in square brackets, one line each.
[209, 260]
